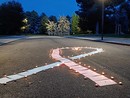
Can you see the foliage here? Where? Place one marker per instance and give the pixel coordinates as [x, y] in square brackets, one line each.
[68, 17]
[87, 15]
[74, 24]
[63, 25]
[11, 17]
[60, 28]
[43, 20]
[51, 26]
[33, 21]
[117, 16]
[53, 18]
[25, 26]
[90, 13]
[113, 2]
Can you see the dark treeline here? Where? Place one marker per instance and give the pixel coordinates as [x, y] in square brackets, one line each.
[11, 16]
[117, 16]
[13, 20]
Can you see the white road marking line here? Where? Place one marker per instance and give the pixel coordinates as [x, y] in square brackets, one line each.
[96, 77]
[27, 73]
[14, 77]
[4, 80]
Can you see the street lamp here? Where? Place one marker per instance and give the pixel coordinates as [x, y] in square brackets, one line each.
[102, 30]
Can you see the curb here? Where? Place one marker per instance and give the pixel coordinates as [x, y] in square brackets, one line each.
[8, 42]
[118, 43]
[5, 43]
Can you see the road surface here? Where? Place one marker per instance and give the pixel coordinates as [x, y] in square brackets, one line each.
[60, 81]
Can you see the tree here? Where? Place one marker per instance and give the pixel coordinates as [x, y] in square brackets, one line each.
[51, 27]
[33, 21]
[25, 26]
[68, 17]
[118, 18]
[74, 24]
[43, 20]
[53, 18]
[90, 12]
[110, 19]
[113, 2]
[63, 27]
[11, 17]
[126, 7]
[86, 14]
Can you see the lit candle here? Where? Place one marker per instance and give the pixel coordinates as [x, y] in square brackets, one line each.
[112, 77]
[103, 73]
[96, 85]
[120, 83]
[94, 69]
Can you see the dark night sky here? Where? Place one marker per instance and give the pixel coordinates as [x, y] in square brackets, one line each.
[49, 7]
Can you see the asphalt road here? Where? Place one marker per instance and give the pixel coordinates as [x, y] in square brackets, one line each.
[61, 82]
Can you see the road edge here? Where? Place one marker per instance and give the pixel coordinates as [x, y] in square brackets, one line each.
[111, 42]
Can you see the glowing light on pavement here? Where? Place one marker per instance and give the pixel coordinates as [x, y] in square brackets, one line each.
[99, 79]
[76, 48]
[120, 83]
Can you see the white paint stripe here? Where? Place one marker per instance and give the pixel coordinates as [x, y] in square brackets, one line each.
[106, 82]
[14, 77]
[97, 78]
[98, 50]
[91, 73]
[76, 67]
[27, 73]
[82, 72]
[82, 69]
[4, 80]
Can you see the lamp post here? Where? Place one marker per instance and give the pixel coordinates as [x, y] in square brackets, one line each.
[102, 30]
